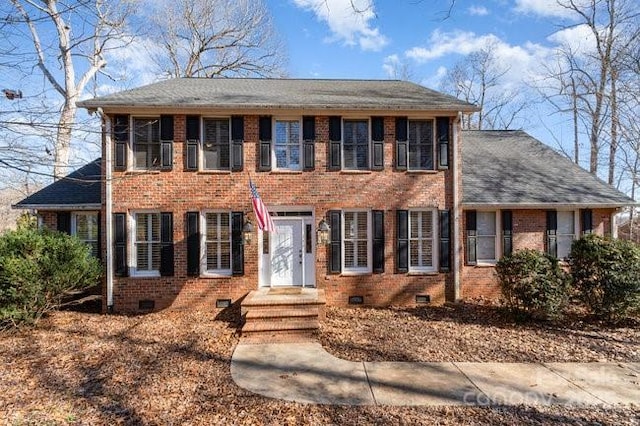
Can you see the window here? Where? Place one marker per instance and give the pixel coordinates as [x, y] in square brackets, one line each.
[565, 233]
[420, 144]
[486, 236]
[287, 145]
[356, 241]
[217, 243]
[421, 240]
[216, 144]
[146, 143]
[85, 227]
[147, 243]
[355, 145]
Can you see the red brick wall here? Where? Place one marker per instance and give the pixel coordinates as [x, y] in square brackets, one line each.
[179, 191]
[529, 231]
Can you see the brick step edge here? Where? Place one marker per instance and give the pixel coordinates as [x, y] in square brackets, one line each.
[283, 326]
[294, 336]
[256, 313]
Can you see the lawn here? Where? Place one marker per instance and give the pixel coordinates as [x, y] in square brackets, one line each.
[173, 368]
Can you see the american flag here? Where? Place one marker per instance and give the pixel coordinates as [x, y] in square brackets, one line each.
[265, 223]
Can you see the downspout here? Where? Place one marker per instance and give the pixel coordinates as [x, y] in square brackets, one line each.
[106, 134]
[456, 211]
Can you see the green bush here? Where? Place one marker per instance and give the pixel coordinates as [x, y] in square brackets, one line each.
[533, 283]
[37, 269]
[606, 275]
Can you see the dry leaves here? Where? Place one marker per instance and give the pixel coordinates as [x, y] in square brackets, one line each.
[173, 368]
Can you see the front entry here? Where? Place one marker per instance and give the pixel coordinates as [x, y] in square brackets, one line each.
[288, 255]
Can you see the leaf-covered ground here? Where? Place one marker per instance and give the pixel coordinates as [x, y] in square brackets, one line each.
[173, 368]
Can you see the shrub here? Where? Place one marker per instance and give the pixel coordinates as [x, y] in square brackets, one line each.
[37, 269]
[533, 283]
[606, 275]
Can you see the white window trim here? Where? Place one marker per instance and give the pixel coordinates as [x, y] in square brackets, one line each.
[132, 255]
[433, 145]
[200, 158]
[74, 226]
[435, 241]
[352, 270]
[204, 272]
[498, 238]
[274, 161]
[369, 143]
[131, 152]
[576, 228]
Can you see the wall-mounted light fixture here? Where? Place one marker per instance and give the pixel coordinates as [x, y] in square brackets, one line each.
[247, 232]
[322, 233]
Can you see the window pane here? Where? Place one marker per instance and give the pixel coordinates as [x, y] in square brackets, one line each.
[421, 239]
[356, 144]
[564, 246]
[486, 222]
[215, 145]
[486, 248]
[146, 142]
[356, 239]
[287, 145]
[421, 144]
[566, 223]
[349, 254]
[362, 254]
[217, 241]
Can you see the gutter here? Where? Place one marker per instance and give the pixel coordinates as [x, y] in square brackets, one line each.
[106, 134]
[456, 209]
[57, 207]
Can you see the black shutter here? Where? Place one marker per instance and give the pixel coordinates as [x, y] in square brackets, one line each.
[586, 221]
[402, 145]
[402, 241]
[264, 164]
[237, 143]
[121, 140]
[120, 267]
[335, 138]
[99, 235]
[193, 244]
[472, 231]
[237, 245]
[193, 142]
[445, 240]
[308, 137]
[335, 242]
[377, 136]
[378, 240]
[507, 232]
[552, 229]
[166, 244]
[64, 222]
[442, 136]
[166, 141]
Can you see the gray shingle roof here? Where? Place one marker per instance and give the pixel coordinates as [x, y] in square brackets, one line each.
[513, 168]
[79, 189]
[260, 93]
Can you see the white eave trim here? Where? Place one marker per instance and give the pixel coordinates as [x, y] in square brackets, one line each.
[531, 206]
[58, 207]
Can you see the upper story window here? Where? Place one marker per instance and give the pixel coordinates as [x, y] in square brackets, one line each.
[217, 243]
[286, 145]
[147, 243]
[146, 143]
[216, 144]
[355, 145]
[421, 240]
[421, 150]
[85, 227]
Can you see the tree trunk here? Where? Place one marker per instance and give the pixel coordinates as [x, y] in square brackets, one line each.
[63, 139]
[613, 146]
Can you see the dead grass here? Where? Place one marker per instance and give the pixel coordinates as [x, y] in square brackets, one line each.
[173, 368]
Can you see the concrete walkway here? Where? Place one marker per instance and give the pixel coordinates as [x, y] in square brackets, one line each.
[305, 372]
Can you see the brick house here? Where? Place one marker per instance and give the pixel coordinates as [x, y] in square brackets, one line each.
[377, 196]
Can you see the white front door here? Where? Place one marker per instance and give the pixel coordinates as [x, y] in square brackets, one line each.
[286, 249]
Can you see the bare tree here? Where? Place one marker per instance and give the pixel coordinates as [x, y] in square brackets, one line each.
[209, 38]
[479, 79]
[65, 41]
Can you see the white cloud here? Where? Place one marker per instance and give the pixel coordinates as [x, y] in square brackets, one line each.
[478, 11]
[348, 20]
[579, 38]
[390, 65]
[546, 8]
[457, 42]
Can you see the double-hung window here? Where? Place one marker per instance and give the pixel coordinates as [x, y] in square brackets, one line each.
[421, 150]
[421, 240]
[355, 145]
[216, 144]
[146, 143]
[147, 243]
[486, 237]
[287, 145]
[85, 228]
[566, 232]
[356, 241]
[217, 243]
